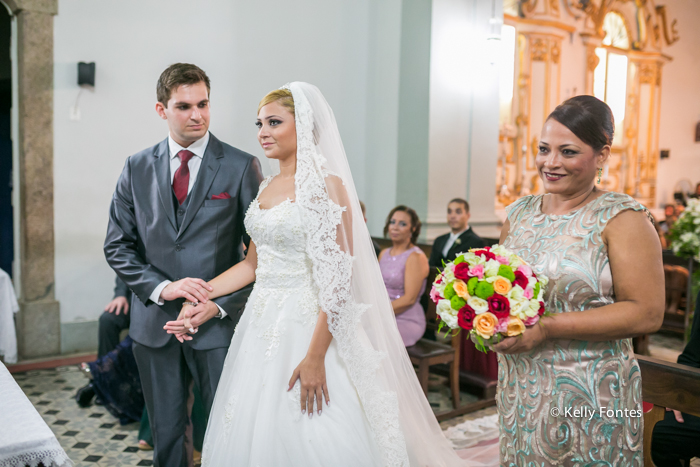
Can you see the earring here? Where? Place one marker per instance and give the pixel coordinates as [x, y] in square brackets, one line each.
[600, 174]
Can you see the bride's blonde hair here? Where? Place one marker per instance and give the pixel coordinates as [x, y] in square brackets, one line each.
[283, 96]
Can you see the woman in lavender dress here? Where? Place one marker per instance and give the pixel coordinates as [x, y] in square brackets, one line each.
[405, 268]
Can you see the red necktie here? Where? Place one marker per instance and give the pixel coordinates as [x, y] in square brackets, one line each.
[181, 180]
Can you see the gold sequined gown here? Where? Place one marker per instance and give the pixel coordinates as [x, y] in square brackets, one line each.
[550, 399]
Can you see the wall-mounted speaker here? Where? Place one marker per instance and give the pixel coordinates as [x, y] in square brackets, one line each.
[86, 74]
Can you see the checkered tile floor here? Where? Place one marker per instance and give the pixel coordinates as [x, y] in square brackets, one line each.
[90, 437]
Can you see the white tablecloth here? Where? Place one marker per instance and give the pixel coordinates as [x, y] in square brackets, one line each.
[25, 439]
[8, 307]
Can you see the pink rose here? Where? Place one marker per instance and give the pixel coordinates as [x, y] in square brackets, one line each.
[525, 269]
[502, 325]
[531, 321]
[528, 293]
[477, 271]
[502, 259]
[435, 295]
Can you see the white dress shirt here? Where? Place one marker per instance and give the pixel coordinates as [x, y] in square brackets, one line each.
[197, 148]
[451, 241]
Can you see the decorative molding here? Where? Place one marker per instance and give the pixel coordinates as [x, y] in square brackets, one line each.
[555, 53]
[592, 59]
[540, 22]
[647, 73]
[539, 50]
[670, 33]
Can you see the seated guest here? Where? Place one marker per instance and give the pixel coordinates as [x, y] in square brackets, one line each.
[659, 232]
[460, 239]
[677, 437]
[114, 379]
[669, 218]
[405, 268]
[445, 248]
[377, 248]
[114, 319]
[697, 192]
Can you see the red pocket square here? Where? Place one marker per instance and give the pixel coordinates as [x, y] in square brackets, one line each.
[223, 195]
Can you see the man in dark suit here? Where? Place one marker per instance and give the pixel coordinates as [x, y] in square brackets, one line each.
[677, 436]
[460, 239]
[176, 221]
[114, 319]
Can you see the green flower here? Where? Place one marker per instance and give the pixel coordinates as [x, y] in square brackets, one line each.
[457, 302]
[471, 285]
[536, 292]
[450, 292]
[507, 272]
[459, 259]
[484, 290]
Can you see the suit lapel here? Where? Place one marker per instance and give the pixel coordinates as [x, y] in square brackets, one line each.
[162, 168]
[460, 247]
[207, 172]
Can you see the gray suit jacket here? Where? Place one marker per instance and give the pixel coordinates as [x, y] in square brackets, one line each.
[145, 247]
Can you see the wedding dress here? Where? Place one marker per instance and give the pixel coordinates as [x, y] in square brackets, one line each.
[314, 252]
[254, 420]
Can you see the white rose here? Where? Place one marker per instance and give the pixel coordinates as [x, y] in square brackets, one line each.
[447, 313]
[520, 308]
[500, 250]
[472, 259]
[491, 268]
[448, 276]
[531, 281]
[516, 262]
[441, 287]
[516, 293]
[478, 304]
[534, 308]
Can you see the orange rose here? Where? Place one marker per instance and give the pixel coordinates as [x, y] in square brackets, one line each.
[515, 326]
[460, 289]
[485, 324]
[501, 285]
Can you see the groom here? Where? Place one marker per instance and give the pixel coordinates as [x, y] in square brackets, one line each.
[176, 221]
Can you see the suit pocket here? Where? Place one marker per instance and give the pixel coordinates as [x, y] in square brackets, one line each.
[217, 203]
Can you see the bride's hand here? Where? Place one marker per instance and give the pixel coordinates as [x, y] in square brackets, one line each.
[312, 373]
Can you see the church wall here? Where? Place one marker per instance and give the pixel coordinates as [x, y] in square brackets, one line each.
[247, 49]
[680, 103]
[463, 114]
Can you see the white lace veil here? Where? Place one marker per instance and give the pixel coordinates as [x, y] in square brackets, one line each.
[352, 293]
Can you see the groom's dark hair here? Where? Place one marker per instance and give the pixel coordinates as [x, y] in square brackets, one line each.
[175, 76]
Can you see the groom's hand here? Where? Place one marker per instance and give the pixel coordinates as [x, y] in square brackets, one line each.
[194, 290]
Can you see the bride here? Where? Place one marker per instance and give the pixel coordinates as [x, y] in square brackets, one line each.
[317, 373]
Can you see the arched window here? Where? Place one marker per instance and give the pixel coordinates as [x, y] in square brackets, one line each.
[610, 76]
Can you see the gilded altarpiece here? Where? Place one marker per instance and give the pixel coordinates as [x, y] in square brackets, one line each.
[558, 48]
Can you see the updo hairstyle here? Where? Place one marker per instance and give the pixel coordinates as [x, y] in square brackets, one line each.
[589, 118]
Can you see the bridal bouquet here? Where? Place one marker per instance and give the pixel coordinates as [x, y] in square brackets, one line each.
[490, 292]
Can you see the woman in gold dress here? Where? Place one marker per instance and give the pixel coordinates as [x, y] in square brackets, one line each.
[569, 388]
